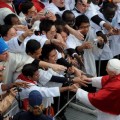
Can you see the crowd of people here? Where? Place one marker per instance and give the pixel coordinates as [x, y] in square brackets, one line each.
[49, 47]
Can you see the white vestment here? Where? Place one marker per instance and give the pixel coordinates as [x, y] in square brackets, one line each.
[83, 97]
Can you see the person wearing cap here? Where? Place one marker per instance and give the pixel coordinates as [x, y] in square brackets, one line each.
[107, 99]
[35, 109]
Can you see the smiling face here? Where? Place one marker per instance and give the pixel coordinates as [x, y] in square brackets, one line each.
[84, 27]
[52, 58]
[32, 12]
[82, 7]
[10, 34]
[35, 76]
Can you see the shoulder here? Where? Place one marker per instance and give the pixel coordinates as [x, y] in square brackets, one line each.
[20, 115]
[44, 117]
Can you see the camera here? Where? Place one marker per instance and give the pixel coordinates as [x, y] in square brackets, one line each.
[18, 89]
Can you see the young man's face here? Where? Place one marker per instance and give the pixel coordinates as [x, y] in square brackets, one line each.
[109, 13]
[59, 3]
[4, 56]
[51, 33]
[84, 27]
[36, 54]
[15, 21]
[32, 12]
[36, 76]
[70, 20]
[52, 58]
[82, 7]
[64, 36]
[10, 34]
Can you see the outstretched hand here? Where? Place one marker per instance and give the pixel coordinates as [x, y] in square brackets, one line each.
[80, 81]
[58, 68]
[22, 84]
[74, 87]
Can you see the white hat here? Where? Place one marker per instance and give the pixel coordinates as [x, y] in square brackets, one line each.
[114, 65]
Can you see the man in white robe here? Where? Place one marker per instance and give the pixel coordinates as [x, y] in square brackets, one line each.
[106, 99]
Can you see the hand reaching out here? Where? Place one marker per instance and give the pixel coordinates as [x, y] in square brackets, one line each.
[13, 92]
[80, 81]
[58, 68]
[74, 87]
[22, 84]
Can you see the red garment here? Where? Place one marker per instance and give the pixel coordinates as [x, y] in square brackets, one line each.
[5, 5]
[38, 5]
[107, 99]
[25, 101]
[24, 78]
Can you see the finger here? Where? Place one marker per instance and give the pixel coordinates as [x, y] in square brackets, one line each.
[83, 84]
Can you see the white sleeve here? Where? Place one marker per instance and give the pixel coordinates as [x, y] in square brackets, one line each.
[50, 92]
[91, 11]
[96, 82]
[102, 23]
[82, 96]
[40, 39]
[45, 76]
[14, 47]
[47, 92]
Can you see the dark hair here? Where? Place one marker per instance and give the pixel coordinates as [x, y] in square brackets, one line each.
[4, 29]
[50, 1]
[32, 45]
[26, 6]
[29, 70]
[88, 1]
[46, 25]
[46, 49]
[81, 19]
[61, 28]
[8, 19]
[107, 4]
[65, 13]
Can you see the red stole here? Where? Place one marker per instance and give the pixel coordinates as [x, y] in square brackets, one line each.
[5, 5]
[25, 101]
[107, 99]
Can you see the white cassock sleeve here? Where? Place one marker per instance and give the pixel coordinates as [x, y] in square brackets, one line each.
[14, 47]
[96, 82]
[45, 76]
[82, 96]
[91, 11]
